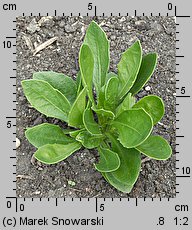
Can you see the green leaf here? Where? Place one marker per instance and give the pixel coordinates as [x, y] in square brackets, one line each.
[101, 98]
[77, 109]
[89, 141]
[134, 126]
[147, 68]
[75, 132]
[47, 100]
[97, 41]
[79, 83]
[59, 81]
[68, 130]
[90, 124]
[128, 68]
[155, 147]
[126, 104]
[110, 75]
[109, 160]
[54, 153]
[111, 93]
[46, 134]
[153, 105]
[104, 113]
[86, 63]
[126, 175]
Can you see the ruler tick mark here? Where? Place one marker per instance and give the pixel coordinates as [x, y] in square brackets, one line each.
[95, 11]
[182, 176]
[136, 201]
[96, 205]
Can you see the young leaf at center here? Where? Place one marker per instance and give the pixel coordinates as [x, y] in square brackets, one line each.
[86, 63]
[90, 124]
[111, 93]
[77, 109]
[97, 41]
[89, 141]
[126, 104]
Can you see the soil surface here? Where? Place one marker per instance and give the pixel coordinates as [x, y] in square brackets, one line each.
[76, 176]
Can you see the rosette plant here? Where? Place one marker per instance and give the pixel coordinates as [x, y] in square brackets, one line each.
[101, 111]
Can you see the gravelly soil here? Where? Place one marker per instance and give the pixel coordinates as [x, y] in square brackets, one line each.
[157, 178]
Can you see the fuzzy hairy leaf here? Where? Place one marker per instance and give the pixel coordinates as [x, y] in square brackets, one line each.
[86, 63]
[128, 68]
[89, 141]
[90, 124]
[77, 109]
[126, 175]
[59, 81]
[46, 134]
[153, 105]
[97, 41]
[54, 153]
[46, 99]
[146, 70]
[155, 147]
[134, 126]
[126, 104]
[109, 161]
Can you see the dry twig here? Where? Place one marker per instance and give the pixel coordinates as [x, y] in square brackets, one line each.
[44, 45]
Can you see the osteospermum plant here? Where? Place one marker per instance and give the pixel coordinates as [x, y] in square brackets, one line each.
[101, 111]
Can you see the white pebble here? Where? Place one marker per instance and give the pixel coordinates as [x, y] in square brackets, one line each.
[37, 192]
[18, 143]
[147, 88]
[122, 19]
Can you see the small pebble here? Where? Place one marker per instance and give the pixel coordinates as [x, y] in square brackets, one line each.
[72, 183]
[70, 29]
[122, 19]
[18, 143]
[61, 24]
[147, 88]
[142, 25]
[33, 26]
[37, 192]
[113, 37]
[156, 26]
